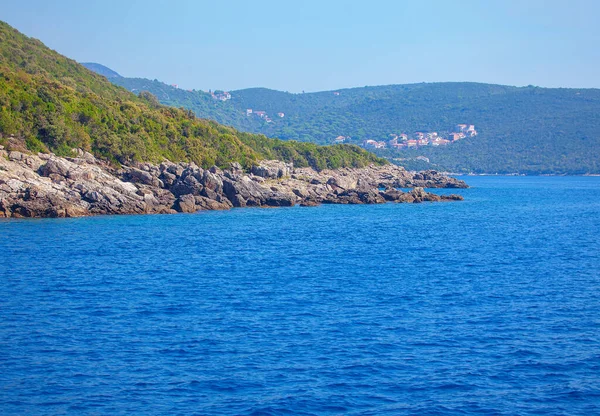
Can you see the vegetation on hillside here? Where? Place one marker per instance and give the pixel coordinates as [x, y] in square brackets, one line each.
[55, 104]
[527, 129]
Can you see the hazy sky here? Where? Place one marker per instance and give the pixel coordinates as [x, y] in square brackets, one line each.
[297, 45]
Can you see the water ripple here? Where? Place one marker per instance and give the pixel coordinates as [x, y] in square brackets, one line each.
[483, 307]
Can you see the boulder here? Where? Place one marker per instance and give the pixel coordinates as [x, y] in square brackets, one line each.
[14, 155]
[452, 197]
[342, 182]
[272, 169]
[251, 192]
[211, 204]
[391, 194]
[186, 203]
[279, 199]
[140, 176]
[213, 181]
[56, 166]
[168, 178]
[189, 185]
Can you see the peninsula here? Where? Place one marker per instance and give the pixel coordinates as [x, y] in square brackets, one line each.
[45, 185]
[74, 144]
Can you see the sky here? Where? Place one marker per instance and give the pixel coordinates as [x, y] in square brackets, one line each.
[307, 45]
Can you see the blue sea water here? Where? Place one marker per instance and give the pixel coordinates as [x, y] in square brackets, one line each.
[486, 306]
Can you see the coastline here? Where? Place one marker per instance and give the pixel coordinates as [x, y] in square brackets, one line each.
[46, 185]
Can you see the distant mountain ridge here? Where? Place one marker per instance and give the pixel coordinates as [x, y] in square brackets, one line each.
[101, 69]
[527, 130]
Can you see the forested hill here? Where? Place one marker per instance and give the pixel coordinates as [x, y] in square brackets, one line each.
[521, 129]
[51, 103]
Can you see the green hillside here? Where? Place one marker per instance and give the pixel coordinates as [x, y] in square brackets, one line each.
[50, 102]
[521, 129]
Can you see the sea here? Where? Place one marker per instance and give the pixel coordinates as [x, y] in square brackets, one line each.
[487, 306]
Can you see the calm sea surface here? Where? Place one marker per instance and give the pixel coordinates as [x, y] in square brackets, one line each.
[487, 306]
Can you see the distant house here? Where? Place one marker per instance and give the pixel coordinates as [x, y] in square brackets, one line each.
[174, 85]
[373, 144]
[336, 93]
[340, 139]
[221, 95]
[455, 136]
[419, 134]
[281, 115]
[423, 142]
[403, 137]
[461, 128]
[440, 142]
[261, 114]
[411, 143]
[248, 111]
[399, 145]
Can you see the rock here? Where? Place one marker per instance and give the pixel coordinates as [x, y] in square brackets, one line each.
[452, 197]
[392, 194]
[210, 204]
[342, 182]
[139, 176]
[34, 162]
[279, 199]
[168, 178]
[215, 170]
[94, 196]
[238, 201]
[81, 174]
[176, 170]
[186, 203]
[56, 166]
[301, 193]
[361, 196]
[419, 195]
[14, 155]
[81, 154]
[252, 193]
[272, 169]
[189, 185]
[45, 185]
[212, 181]
[209, 193]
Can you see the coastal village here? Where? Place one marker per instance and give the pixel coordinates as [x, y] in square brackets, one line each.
[417, 139]
[396, 141]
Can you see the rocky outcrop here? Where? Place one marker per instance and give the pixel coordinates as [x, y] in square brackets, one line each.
[45, 185]
[272, 169]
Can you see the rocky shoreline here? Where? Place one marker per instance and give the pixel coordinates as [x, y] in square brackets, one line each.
[45, 185]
